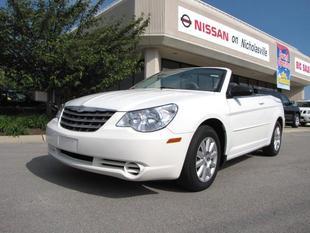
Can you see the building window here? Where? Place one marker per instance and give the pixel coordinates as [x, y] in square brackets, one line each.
[169, 64]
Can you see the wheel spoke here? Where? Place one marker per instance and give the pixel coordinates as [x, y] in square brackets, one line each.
[211, 147]
[202, 148]
[207, 145]
[204, 173]
[199, 163]
[199, 172]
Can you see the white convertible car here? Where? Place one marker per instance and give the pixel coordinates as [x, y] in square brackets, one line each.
[178, 124]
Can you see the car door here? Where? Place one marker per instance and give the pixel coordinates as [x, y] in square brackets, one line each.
[248, 123]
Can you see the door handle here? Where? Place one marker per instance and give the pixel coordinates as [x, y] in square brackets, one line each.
[261, 103]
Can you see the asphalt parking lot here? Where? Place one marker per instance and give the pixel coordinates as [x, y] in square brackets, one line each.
[250, 194]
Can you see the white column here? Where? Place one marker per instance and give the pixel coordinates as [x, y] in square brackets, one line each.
[152, 62]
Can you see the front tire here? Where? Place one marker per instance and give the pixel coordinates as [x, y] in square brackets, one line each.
[296, 121]
[202, 160]
[274, 147]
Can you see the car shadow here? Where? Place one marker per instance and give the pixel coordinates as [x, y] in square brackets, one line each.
[260, 153]
[51, 170]
[235, 161]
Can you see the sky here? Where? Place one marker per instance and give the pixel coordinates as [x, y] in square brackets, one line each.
[286, 20]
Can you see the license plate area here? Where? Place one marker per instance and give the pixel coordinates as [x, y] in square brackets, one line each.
[67, 143]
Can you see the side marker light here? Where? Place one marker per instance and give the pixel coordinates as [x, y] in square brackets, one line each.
[174, 140]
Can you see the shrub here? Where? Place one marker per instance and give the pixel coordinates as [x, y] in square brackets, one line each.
[19, 125]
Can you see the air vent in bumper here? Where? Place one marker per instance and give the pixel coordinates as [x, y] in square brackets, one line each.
[77, 156]
[130, 168]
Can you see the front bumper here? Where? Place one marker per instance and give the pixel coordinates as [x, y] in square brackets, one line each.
[119, 152]
[305, 118]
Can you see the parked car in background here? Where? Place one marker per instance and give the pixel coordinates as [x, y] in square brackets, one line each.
[13, 102]
[304, 106]
[13, 97]
[178, 124]
[291, 110]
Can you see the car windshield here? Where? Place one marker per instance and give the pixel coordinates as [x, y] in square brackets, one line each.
[200, 79]
[303, 104]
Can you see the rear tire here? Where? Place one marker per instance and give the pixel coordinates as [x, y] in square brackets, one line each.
[296, 121]
[274, 147]
[202, 160]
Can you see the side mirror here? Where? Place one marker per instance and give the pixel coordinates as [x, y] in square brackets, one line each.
[239, 90]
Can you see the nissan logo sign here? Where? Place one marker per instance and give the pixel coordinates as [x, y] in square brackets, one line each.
[186, 21]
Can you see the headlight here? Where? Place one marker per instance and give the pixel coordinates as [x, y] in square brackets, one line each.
[150, 119]
[60, 111]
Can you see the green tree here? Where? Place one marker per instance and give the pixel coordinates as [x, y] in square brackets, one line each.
[59, 44]
[2, 79]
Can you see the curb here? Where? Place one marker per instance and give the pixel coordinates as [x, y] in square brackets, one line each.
[24, 139]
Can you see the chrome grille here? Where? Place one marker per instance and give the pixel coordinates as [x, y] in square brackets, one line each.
[79, 118]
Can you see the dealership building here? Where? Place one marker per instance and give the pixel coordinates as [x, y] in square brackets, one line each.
[185, 33]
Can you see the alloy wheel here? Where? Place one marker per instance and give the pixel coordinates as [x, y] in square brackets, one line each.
[297, 120]
[206, 159]
[277, 138]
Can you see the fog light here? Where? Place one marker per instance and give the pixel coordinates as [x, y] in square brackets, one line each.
[132, 168]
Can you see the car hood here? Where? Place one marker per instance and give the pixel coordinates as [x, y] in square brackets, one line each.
[134, 99]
